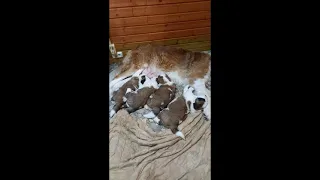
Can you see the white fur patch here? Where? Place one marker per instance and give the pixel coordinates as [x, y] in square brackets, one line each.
[189, 96]
[136, 74]
[128, 90]
[154, 83]
[175, 99]
[162, 103]
[180, 134]
[124, 99]
[156, 120]
[175, 77]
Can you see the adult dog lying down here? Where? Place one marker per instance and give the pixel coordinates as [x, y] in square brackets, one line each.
[182, 66]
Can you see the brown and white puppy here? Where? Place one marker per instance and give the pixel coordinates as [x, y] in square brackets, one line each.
[137, 99]
[161, 97]
[119, 96]
[194, 102]
[183, 66]
[171, 116]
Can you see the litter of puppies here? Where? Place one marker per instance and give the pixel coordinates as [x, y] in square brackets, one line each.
[158, 94]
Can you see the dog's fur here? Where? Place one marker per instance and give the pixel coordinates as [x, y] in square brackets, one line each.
[194, 103]
[173, 115]
[183, 66]
[161, 97]
[119, 96]
[137, 99]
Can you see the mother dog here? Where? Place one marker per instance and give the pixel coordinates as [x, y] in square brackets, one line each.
[182, 66]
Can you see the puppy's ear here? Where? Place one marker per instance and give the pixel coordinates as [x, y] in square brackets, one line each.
[160, 80]
[198, 104]
[143, 79]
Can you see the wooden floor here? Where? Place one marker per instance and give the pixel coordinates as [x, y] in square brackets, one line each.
[114, 60]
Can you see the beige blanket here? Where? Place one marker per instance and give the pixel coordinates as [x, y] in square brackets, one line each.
[137, 152]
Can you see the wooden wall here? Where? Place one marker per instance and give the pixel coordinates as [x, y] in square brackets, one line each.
[182, 23]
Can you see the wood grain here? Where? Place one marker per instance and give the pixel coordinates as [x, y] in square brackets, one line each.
[158, 28]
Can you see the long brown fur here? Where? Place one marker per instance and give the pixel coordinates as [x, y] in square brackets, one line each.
[188, 64]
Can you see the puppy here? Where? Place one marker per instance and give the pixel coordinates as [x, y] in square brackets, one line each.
[173, 115]
[194, 102]
[137, 99]
[161, 97]
[119, 96]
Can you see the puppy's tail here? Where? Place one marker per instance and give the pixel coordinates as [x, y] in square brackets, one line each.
[180, 134]
[150, 115]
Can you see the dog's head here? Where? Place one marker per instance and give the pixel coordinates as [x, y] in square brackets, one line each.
[160, 80]
[163, 79]
[145, 81]
[197, 101]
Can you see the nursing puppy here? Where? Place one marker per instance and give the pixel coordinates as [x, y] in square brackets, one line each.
[161, 97]
[171, 117]
[137, 99]
[119, 96]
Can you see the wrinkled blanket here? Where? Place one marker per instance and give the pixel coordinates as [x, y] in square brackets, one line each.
[138, 152]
